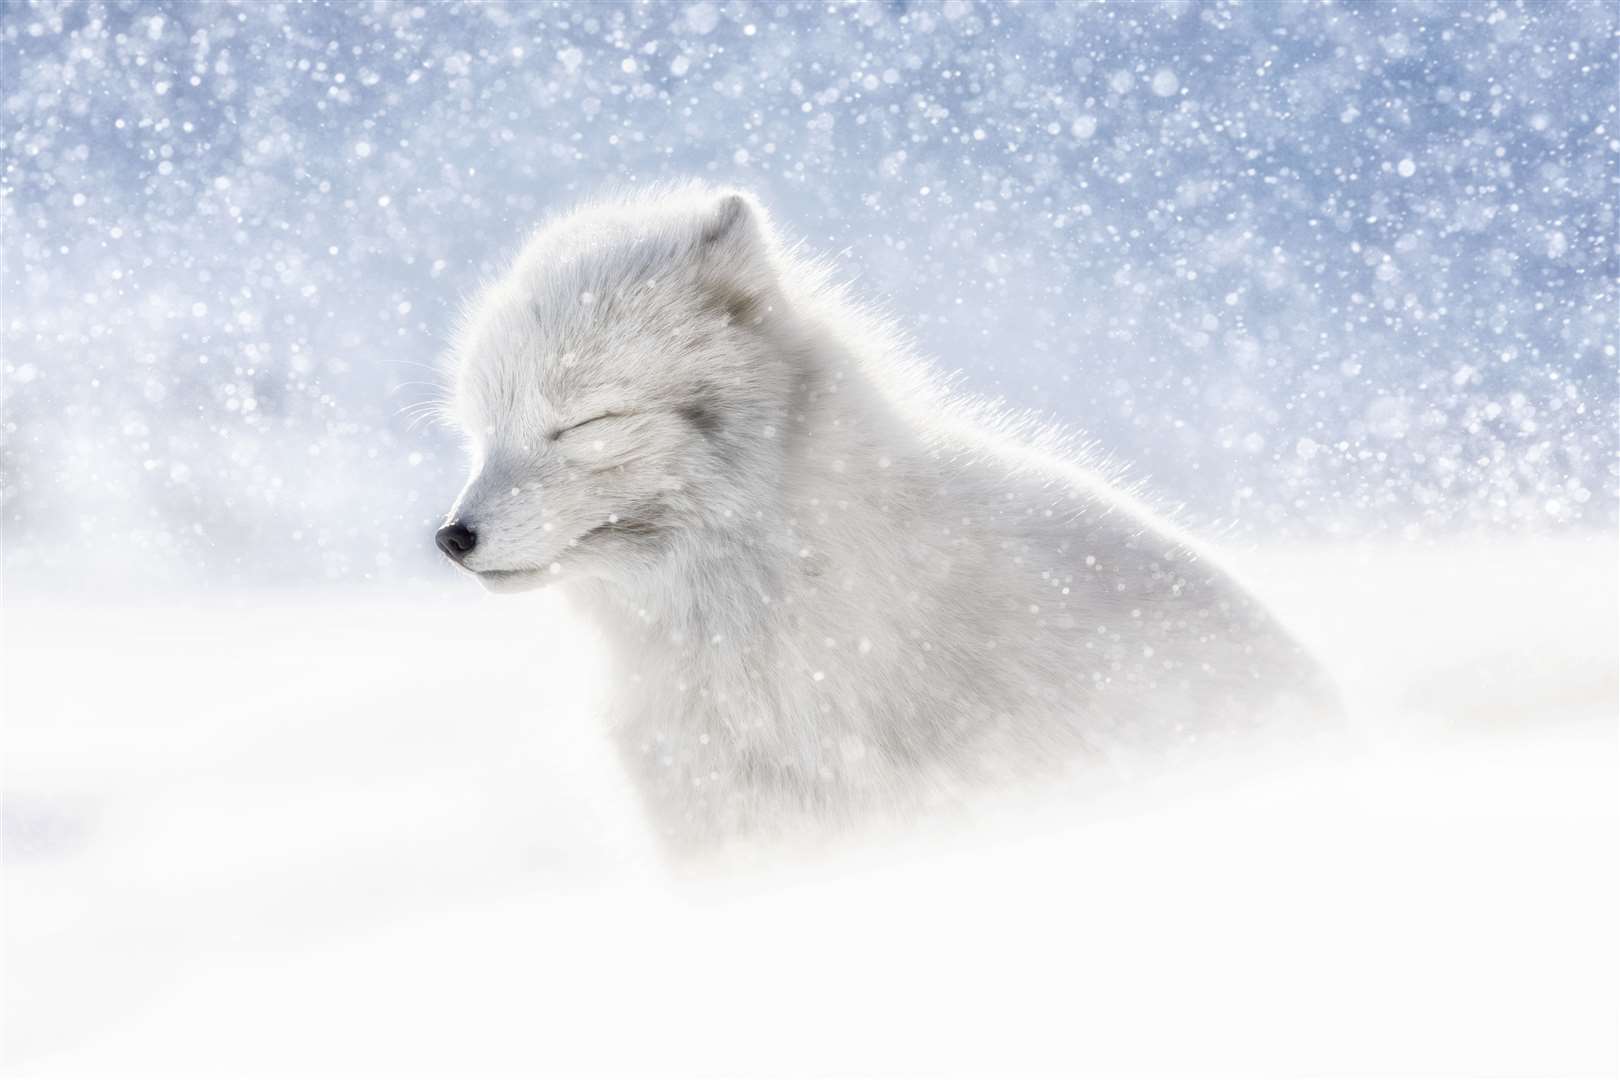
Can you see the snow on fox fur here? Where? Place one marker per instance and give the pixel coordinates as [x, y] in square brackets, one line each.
[829, 585]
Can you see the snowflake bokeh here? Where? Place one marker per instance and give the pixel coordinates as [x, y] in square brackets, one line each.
[1313, 270]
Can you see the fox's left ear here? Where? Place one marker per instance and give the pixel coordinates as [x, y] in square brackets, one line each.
[733, 220]
[733, 245]
[735, 237]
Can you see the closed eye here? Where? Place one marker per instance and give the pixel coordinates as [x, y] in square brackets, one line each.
[584, 423]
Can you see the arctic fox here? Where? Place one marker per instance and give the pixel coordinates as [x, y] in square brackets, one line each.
[830, 586]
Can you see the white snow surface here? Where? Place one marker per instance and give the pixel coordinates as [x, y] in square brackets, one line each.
[377, 833]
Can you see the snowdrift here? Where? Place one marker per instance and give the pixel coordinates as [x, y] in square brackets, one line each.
[377, 834]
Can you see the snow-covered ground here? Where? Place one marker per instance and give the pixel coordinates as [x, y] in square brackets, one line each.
[350, 832]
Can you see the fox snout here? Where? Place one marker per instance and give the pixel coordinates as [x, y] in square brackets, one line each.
[456, 541]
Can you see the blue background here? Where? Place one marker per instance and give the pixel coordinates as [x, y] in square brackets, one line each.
[1310, 270]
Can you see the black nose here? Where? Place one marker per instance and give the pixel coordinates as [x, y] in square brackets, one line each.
[456, 540]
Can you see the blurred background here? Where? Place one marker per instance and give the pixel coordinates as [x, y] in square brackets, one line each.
[285, 796]
[1311, 270]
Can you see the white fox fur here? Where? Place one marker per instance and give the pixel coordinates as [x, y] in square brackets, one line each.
[829, 585]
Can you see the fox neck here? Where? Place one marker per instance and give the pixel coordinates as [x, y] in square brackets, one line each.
[727, 650]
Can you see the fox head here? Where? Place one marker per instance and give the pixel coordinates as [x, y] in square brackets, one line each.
[625, 385]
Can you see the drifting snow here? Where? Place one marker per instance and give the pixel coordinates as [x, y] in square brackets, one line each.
[379, 834]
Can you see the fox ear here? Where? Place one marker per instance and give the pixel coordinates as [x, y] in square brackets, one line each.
[733, 246]
[734, 218]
